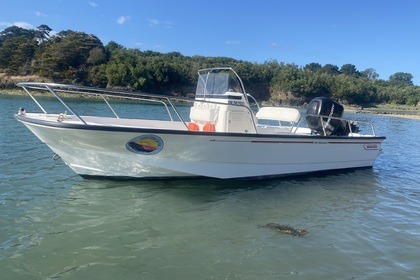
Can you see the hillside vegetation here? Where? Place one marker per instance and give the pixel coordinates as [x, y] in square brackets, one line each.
[80, 58]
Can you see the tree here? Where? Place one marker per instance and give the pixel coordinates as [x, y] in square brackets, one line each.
[349, 70]
[369, 73]
[315, 84]
[96, 56]
[13, 32]
[43, 33]
[330, 69]
[17, 49]
[97, 75]
[313, 67]
[112, 46]
[401, 78]
[120, 69]
[65, 57]
[353, 90]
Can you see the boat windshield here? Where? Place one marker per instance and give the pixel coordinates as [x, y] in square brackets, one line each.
[217, 83]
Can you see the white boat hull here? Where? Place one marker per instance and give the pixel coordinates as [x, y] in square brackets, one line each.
[103, 151]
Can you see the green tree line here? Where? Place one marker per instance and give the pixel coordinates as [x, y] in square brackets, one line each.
[80, 58]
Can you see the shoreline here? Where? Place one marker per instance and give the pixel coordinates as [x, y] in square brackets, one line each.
[411, 117]
[12, 91]
[397, 111]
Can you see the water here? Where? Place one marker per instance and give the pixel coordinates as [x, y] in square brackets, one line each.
[363, 224]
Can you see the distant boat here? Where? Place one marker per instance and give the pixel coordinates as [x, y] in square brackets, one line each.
[221, 138]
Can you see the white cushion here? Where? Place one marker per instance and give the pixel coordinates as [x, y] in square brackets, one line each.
[278, 114]
[202, 114]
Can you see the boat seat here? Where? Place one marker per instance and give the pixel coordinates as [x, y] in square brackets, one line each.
[204, 115]
[278, 114]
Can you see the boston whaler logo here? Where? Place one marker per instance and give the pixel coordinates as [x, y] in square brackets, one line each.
[146, 144]
[372, 146]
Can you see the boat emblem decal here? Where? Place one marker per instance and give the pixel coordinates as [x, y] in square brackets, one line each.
[371, 147]
[146, 144]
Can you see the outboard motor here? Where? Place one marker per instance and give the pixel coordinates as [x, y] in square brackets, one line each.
[323, 117]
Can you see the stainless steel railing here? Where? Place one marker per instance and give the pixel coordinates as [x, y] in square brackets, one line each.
[168, 102]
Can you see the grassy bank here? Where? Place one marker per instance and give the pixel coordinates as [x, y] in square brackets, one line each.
[405, 111]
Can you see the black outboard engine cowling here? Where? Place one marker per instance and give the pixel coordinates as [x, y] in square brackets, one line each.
[322, 114]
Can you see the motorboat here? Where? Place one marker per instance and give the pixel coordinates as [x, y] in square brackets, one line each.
[222, 132]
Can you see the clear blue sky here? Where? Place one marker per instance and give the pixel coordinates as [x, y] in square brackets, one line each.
[379, 34]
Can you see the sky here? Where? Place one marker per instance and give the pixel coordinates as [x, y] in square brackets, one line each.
[379, 34]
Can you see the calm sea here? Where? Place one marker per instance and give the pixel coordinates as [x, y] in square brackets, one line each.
[363, 224]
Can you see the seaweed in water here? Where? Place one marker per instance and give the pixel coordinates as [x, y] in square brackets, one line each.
[286, 229]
